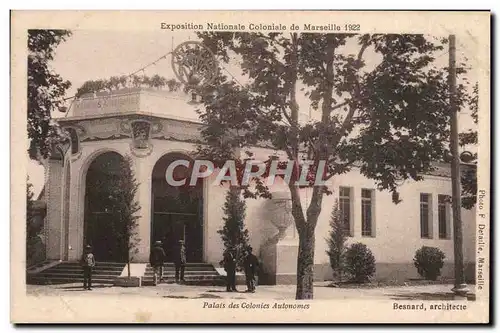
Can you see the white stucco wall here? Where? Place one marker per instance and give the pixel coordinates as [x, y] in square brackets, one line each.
[397, 227]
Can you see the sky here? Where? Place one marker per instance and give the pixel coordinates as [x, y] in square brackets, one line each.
[94, 54]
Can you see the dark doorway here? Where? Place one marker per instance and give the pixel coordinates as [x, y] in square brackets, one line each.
[177, 210]
[101, 225]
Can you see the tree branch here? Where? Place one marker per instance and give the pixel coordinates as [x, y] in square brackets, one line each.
[323, 146]
[312, 146]
[357, 88]
[344, 165]
[363, 48]
[288, 152]
[338, 106]
[346, 122]
[263, 36]
[288, 117]
[294, 107]
[357, 93]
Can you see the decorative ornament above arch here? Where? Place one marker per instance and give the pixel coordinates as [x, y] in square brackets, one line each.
[141, 131]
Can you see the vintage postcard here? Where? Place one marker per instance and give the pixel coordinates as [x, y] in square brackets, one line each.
[250, 167]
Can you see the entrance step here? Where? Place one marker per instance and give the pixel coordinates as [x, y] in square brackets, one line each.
[194, 274]
[42, 266]
[71, 272]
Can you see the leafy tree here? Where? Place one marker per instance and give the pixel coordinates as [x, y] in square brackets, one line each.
[233, 233]
[390, 118]
[46, 90]
[336, 242]
[122, 194]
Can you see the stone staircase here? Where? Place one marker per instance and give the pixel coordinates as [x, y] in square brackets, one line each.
[194, 274]
[71, 272]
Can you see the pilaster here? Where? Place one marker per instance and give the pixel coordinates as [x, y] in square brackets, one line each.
[143, 176]
[54, 195]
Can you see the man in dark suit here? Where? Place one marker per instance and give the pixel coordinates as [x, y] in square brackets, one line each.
[180, 262]
[230, 268]
[251, 264]
[156, 259]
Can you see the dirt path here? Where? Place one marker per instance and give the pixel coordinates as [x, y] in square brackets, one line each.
[281, 292]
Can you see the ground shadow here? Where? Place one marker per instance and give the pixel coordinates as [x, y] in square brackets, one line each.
[80, 288]
[380, 284]
[217, 291]
[204, 295]
[225, 291]
[429, 296]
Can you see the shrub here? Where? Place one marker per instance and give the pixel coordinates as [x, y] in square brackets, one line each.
[234, 233]
[336, 242]
[124, 209]
[359, 263]
[35, 249]
[429, 261]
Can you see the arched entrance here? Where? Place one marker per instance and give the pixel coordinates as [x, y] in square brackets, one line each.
[177, 211]
[102, 225]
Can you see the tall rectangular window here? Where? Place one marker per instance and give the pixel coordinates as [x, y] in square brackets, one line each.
[345, 207]
[366, 212]
[443, 216]
[425, 209]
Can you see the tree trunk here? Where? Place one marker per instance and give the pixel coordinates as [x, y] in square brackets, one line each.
[305, 263]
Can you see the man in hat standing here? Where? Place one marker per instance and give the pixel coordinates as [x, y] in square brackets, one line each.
[230, 268]
[180, 261]
[156, 259]
[251, 264]
[87, 262]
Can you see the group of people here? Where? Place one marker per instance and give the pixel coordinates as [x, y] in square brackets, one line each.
[157, 258]
[250, 265]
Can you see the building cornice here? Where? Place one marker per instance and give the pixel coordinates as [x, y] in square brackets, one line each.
[125, 115]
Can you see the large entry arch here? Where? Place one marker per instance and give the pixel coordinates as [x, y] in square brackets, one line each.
[177, 211]
[102, 225]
